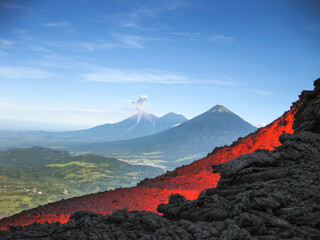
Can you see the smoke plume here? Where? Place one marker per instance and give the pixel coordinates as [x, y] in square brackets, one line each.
[138, 103]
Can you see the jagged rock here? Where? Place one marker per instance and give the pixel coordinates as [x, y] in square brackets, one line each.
[265, 195]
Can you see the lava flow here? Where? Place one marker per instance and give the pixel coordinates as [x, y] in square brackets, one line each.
[187, 180]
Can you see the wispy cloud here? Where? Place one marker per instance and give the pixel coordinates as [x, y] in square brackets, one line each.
[188, 35]
[23, 34]
[3, 53]
[146, 76]
[256, 91]
[20, 31]
[24, 73]
[56, 62]
[221, 39]
[133, 41]
[90, 47]
[5, 43]
[37, 48]
[141, 12]
[119, 41]
[11, 5]
[65, 25]
[130, 24]
[196, 36]
[101, 74]
[83, 46]
[57, 24]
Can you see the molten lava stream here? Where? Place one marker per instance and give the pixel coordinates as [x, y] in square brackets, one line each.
[187, 180]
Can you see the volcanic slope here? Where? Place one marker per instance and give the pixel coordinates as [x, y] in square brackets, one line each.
[188, 180]
[265, 195]
[181, 144]
[138, 125]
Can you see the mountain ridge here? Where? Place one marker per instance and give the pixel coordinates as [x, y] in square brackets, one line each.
[138, 125]
[216, 127]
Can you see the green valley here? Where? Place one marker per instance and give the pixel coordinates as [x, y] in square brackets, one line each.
[36, 176]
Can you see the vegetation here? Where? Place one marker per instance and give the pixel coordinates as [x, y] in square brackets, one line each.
[36, 176]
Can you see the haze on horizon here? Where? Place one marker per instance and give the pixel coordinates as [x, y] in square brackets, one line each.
[77, 64]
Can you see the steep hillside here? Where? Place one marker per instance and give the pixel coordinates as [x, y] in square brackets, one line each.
[188, 180]
[179, 145]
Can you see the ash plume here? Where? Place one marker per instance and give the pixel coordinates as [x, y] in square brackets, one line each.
[138, 103]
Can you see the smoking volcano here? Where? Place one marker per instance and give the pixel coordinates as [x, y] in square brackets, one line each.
[263, 194]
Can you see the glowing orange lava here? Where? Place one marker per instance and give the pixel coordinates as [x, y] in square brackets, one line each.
[187, 180]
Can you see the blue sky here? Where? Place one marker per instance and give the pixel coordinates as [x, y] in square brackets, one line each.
[77, 64]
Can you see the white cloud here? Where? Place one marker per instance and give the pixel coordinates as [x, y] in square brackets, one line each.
[256, 91]
[24, 73]
[12, 6]
[147, 76]
[188, 35]
[39, 49]
[83, 46]
[57, 24]
[90, 47]
[20, 31]
[102, 74]
[3, 53]
[65, 25]
[5, 43]
[203, 37]
[129, 24]
[220, 39]
[119, 41]
[56, 61]
[142, 12]
[133, 41]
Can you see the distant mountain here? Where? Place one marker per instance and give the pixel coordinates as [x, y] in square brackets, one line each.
[35, 176]
[168, 121]
[139, 125]
[179, 145]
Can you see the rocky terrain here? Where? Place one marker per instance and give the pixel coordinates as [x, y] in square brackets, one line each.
[268, 194]
[189, 180]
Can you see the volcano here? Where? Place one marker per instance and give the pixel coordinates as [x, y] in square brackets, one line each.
[181, 144]
[189, 180]
[139, 125]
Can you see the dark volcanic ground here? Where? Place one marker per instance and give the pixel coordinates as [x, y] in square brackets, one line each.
[265, 195]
